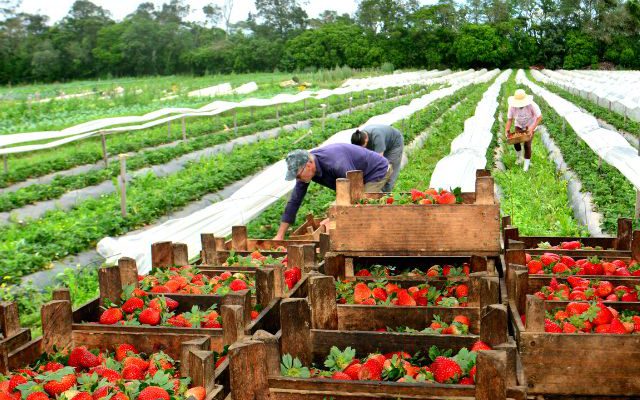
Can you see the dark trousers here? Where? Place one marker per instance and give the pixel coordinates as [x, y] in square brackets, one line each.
[527, 148]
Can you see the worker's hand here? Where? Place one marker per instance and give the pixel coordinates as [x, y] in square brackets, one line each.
[325, 222]
[278, 237]
[531, 131]
[506, 133]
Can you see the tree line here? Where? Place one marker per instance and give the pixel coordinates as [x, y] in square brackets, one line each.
[89, 43]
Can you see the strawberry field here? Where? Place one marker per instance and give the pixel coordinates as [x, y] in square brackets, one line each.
[482, 289]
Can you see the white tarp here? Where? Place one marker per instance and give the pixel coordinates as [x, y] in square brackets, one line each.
[253, 197]
[159, 117]
[607, 144]
[468, 150]
[211, 91]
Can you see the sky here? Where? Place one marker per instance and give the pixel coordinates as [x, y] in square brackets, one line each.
[57, 9]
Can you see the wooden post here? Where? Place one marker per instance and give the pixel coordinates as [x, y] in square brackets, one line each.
[509, 233]
[511, 351]
[180, 254]
[478, 264]
[343, 192]
[123, 185]
[61, 294]
[356, 185]
[232, 324]
[57, 319]
[491, 375]
[202, 343]
[625, 231]
[239, 237]
[368, 100]
[240, 298]
[128, 271]
[635, 245]
[535, 314]
[322, 298]
[208, 241]
[474, 288]
[162, 254]
[202, 368]
[489, 291]
[484, 190]
[494, 326]
[249, 355]
[308, 258]
[272, 351]
[295, 322]
[295, 256]
[110, 285]
[105, 158]
[169, 129]
[9, 319]
[265, 285]
[325, 243]
[279, 286]
[184, 130]
[520, 289]
[5, 161]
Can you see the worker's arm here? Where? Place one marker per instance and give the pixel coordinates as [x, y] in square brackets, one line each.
[533, 127]
[507, 126]
[291, 210]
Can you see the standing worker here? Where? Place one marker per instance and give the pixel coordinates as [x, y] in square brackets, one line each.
[386, 141]
[527, 116]
[326, 164]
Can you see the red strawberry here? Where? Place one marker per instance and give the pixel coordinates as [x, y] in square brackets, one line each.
[559, 268]
[369, 302]
[604, 289]
[576, 308]
[568, 261]
[16, 380]
[534, 266]
[567, 327]
[82, 396]
[108, 374]
[603, 316]
[371, 370]
[551, 327]
[171, 304]
[101, 392]
[340, 376]
[380, 294]
[111, 316]
[446, 198]
[472, 373]
[467, 380]
[636, 323]
[363, 272]
[153, 393]
[480, 345]
[149, 316]
[137, 361]
[353, 370]
[446, 370]
[417, 195]
[462, 291]
[80, 357]
[463, 320]
[123, 351]
[120, 396]
[547, 259]
[198, 393]
[37, 396]
[133, 372]
[53, 366]
[361, 292]
[237, 285]
[56, 386]
[617, 327]
[405, 299]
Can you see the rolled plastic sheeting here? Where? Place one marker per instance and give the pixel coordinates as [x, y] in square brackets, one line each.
[256, 195]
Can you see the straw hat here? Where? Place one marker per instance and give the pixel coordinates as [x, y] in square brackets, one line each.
[520, 99]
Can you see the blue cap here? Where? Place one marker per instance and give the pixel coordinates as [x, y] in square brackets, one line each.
[295, 161]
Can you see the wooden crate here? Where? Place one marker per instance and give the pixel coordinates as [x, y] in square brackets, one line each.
[488, 318]
[450, 229]
[18, 349]
[625, 244]
[309, 230]
[496, 378]
[574, 365]
[215, 250]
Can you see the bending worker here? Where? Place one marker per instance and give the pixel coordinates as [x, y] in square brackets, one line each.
[527, 116]
[326, 164]
[386, 141]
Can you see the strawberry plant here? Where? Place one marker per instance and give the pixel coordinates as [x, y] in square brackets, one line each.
[437, 366]
[84, 374]
[458, 326]
[386, 293]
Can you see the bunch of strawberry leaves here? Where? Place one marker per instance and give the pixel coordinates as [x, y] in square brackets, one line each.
[255, 259]
[436, 366]
[82, 374]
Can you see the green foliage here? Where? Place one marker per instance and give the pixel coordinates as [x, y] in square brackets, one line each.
[581, 51]
[480, 46]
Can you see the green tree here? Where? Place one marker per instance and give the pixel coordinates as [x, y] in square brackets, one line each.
[479, 46]
[581, 51]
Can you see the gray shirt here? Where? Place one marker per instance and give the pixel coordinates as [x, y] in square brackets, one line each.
[383, 138]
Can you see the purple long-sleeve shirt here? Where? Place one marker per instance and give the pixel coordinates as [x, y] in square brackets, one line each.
[332, 162]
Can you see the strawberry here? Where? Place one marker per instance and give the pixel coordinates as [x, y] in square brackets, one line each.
[111, 316]
[480, 345]
[576, 308]
[171, 304]
[462, 291]
[603, 315]
[361, 292]
[82, 396]
[568, 327]
[153, 393]
[353, 370]
[80, 357]
[59, 382]
[133, 372]
[446, 198]
[137, 361]
[547, 259]
[446, 370]
[559, 268]
[120, 396]
[149, 316]
[108, 374]
[37, 396]
[551, 327]
[417, 195]
[636, 323]
[534, 266]
[198, 393]
[237, 285]
[405, 299]
[380, 294]
[371, 370]
[16, 380]
[363, 272]
[340, 376]
[604, 289]
[617, 327]
[568, 261]
[101, 392]
[123, 350]
[467, 380]
[461, 319]
[573, 245]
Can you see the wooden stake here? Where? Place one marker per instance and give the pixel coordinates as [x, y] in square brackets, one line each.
[491, 375]
[9, 319]
[123, 185]
[272, 349]
[239, 237]
[180, 254]
[208, 241]
[184, 129]
[128, 271]
[295, 321]
[104, 150]
[265, 286]
[278, 114]
[356, 185]
[162, 254]
[232, 323]
[343, 192]
[202, 343]
[322, 297]
[235, 121]
[350, 105]
[61, 294]
[535, 314]
[110, 285]
[202, 368]
[57, 319]
[494, 326]
[249, 355]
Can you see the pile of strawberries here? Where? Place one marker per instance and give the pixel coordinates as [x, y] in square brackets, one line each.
[587, 289]
[255, 259]
[459, 326]
[399, 366]
[572, 245]
[415, 196]
[92, 375]
[140, 309]
[434, 271]
[386, 293]
[190, 280]
[592, 317]
[550, 263]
